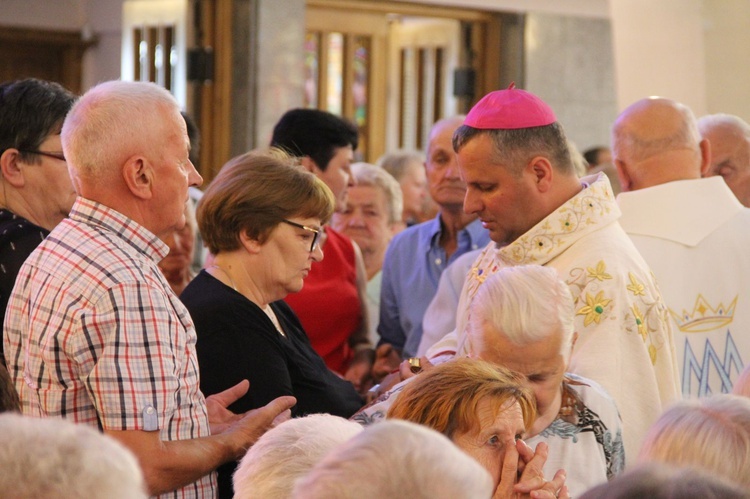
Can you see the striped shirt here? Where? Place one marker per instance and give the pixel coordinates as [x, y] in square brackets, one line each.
[94, 334]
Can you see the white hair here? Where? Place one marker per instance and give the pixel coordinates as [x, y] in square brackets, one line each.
[711, 121]
[366, 174]
[113, 121]
[396, 459]
[57, 458]
[287, 452]
[399, 163]
[711, 433]
[526, 304]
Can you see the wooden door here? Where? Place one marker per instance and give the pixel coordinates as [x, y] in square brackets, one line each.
[48, 55]
[389, 66]
[345, 68]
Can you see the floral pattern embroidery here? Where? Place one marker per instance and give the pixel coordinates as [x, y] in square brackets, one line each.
[639, 322]
[637, 309]
[591, 208]
[594, 308]
[635, 287]
[600, 272]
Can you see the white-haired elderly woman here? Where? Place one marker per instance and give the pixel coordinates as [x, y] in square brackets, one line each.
[408, 169]
[371, 218]
[522, 319]
[288, 452]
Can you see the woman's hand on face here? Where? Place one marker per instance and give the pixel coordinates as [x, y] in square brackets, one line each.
[531, 482]
[521, 460]
[508, 472]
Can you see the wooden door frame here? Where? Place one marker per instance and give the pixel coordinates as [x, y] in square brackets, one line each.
[487, 34]
[69, 43]
[358, 23]
[214, 97]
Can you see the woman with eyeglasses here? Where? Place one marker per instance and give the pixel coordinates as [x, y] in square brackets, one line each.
[35, 189]
[261, 219]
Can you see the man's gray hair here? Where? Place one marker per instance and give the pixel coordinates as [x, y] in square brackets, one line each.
[397, 163]
[396, 459]
[53, 457]
[527, 303]
[113, 121]
[287, 452]
[710, 121]
[366, 174]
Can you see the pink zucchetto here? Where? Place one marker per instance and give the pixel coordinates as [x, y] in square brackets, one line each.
[509, 110]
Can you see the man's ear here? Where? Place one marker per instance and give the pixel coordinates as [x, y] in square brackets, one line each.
[572, 346]
[139, 177]
[541, 172]
[308, 164]
[705, 148]
[10, 168]
[623, 175]
[251, 245]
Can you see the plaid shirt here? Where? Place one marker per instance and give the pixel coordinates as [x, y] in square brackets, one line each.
[94, 334]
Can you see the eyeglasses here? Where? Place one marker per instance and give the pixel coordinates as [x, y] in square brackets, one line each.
[56, 155]
[316, 233]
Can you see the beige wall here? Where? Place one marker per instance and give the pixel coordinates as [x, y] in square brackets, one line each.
[48, 14]
[569, 65]
[694, 51]
[659, 50]
[727, 48]
[99, 18]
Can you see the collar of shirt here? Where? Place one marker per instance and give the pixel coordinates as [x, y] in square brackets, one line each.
[96, 214]
[685, 211]
[475, 235]
[585, 212]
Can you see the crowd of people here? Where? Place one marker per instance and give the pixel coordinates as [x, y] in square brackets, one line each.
[486, 320]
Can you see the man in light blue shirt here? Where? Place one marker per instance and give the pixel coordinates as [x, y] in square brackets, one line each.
[417, 256]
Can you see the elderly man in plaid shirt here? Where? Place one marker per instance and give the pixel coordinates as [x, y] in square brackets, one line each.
[93, 332]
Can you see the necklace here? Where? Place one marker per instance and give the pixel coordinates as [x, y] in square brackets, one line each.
[267, 309]
[271, 315]
[569, 403]
[231, 281]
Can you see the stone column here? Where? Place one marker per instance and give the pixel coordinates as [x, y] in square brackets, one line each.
[268, 70]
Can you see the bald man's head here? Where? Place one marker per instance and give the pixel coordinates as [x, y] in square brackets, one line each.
[729, 137]
[656, 140]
